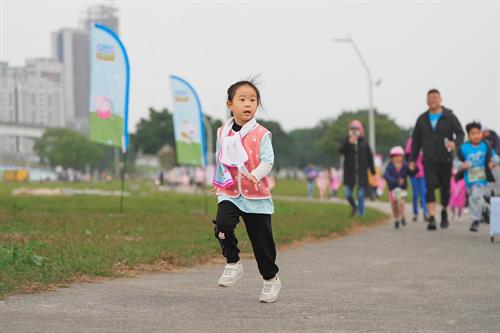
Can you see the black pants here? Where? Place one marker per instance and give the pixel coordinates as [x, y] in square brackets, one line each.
[438, 175]
[259, 231]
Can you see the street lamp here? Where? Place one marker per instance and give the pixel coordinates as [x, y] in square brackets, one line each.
[371, 111]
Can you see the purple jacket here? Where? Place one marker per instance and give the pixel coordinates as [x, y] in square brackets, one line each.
[392, 175]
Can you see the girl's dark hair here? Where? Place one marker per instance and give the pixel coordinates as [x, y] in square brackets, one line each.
[472, 125]
[249, 82]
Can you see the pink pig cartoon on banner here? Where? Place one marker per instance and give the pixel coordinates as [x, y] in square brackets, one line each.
[103, 107]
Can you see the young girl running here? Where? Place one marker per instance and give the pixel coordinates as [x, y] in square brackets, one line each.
[244, 159]
[396, 175]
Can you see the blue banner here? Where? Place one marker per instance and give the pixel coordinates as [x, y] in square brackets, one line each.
[190, 145]
[109, 88]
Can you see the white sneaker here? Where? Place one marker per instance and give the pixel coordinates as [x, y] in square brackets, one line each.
[232, 273]
[270, 290]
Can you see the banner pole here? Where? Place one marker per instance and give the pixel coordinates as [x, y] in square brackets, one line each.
[205, 199]
[124, 169]
[208, 130]
[116, 157]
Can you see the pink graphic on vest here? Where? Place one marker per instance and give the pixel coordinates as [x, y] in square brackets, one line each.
[103, 107]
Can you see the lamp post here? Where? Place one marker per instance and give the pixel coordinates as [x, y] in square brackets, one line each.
[371, 111]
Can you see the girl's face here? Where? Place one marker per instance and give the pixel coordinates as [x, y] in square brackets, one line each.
[398, 159]
[244, 104]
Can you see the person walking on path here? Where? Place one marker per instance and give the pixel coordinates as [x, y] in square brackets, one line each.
[477, 159]
[245, 158]
[491, 138]
[418, 184]
[311, 173]
[323, 182]
[458, 193]
[335, 181]
[358, 160]
[396, 174]
[437, 132]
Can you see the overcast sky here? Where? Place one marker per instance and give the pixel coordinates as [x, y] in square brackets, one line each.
[411, 45]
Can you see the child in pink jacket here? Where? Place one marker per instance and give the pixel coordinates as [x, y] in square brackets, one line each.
[458, 192]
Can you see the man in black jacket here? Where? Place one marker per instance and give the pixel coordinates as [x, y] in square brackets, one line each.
[438, 133]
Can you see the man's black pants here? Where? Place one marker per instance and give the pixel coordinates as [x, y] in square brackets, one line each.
[259, 232]
[438, 175]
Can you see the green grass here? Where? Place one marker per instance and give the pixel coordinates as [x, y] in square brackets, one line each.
[292, 187]
[46, 240]
[297, 187]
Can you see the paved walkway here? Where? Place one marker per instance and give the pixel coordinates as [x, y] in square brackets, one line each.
[378, 280]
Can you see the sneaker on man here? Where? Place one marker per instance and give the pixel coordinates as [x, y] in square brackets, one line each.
[396, 225]
[403, 221]
[444, 219]
[232, 273]
[270, 290]
[431, 225]
[474, 226]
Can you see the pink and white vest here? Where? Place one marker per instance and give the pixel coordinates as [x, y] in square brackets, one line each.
[242, 186]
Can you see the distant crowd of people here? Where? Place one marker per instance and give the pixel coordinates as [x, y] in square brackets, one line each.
[435, 157]
[327, 181]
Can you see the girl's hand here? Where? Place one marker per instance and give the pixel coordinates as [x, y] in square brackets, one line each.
[213, 189]
[252, 179]
[492, 165]
[401, 181]
[465, 165]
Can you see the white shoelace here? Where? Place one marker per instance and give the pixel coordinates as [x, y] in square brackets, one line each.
[228, 271]
[268, 288]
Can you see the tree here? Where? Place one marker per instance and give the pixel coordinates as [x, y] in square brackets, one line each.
[214, 124]
[282, 144]
[387, 132]
[154, 133]
[69, 149]
[318, 145]
[307, 146]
